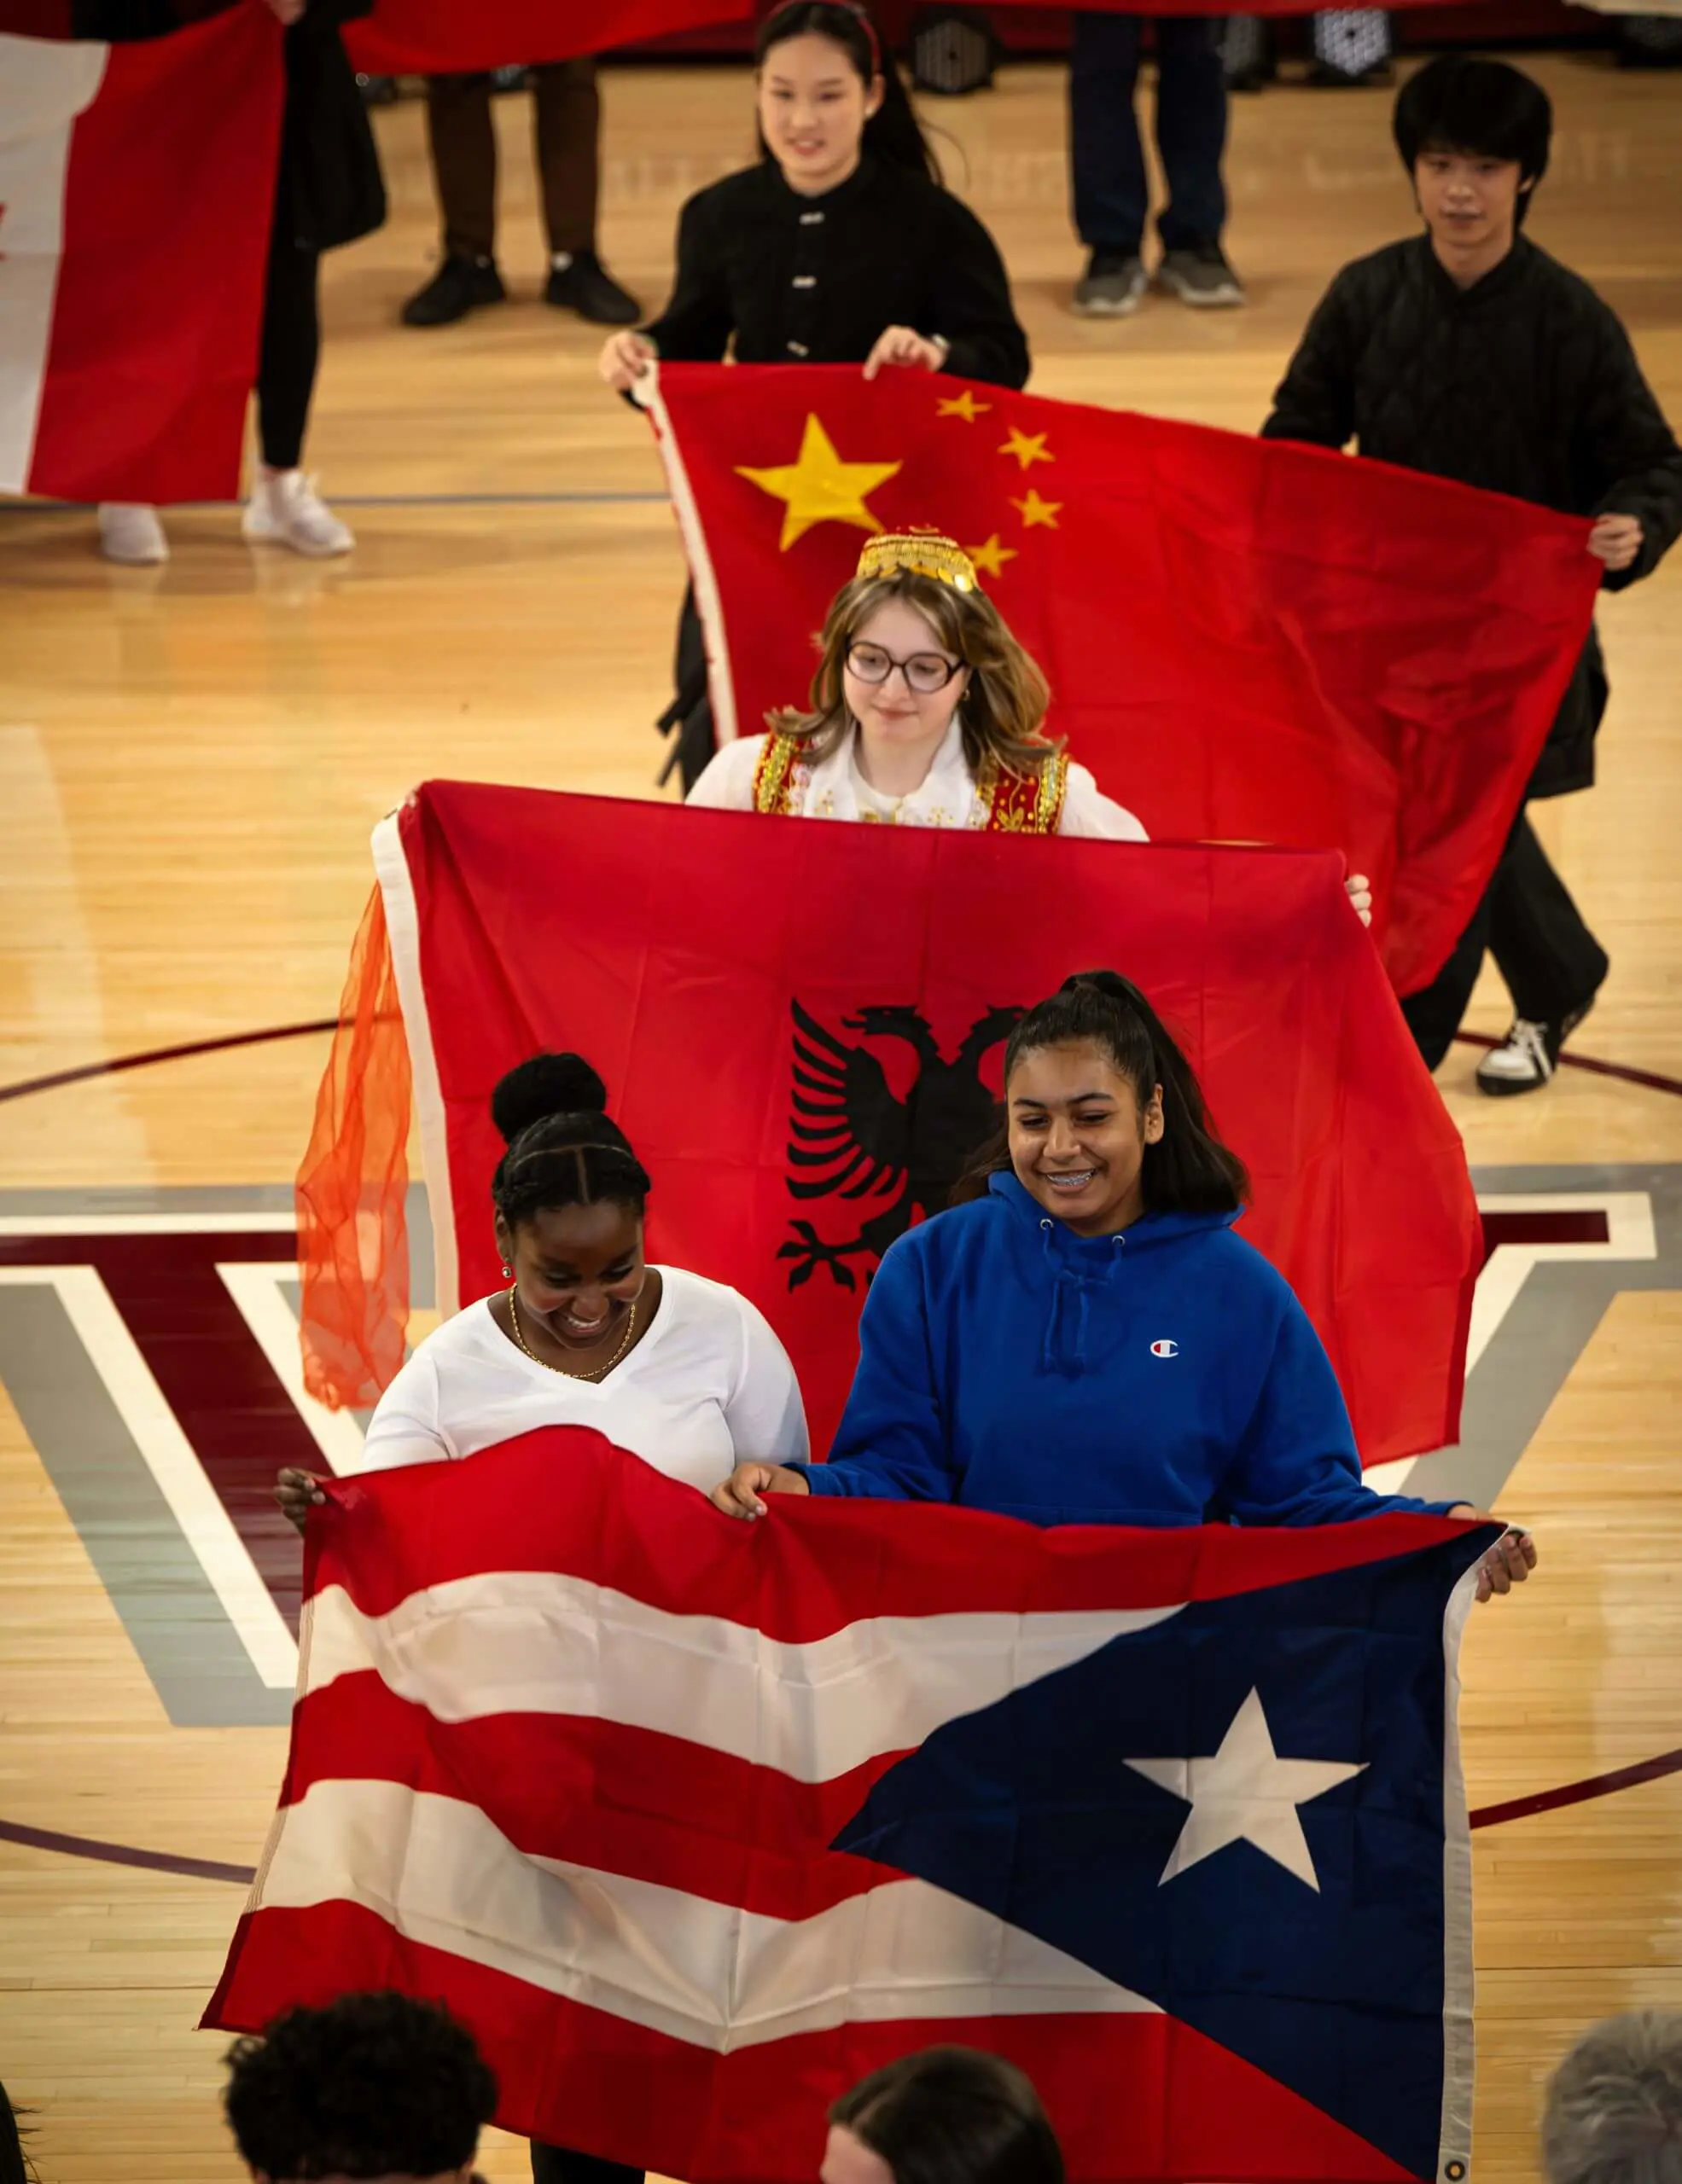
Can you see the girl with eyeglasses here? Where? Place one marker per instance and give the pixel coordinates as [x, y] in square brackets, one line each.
[926, 712]
[839, 246]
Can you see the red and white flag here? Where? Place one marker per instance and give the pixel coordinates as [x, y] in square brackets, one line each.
[137, 188]
[694, 1822]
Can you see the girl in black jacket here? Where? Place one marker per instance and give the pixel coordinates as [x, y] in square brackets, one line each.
[840, 247]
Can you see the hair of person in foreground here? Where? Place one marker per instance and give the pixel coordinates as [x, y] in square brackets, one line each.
[946, 2115]
[1614, 2112]
[371, 2086]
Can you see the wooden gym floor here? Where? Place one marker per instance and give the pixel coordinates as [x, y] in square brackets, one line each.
[190, 760]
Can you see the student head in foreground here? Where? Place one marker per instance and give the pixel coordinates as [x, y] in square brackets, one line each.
[1614, 2113]
[947, 2115]
[1014, 1352]
[373, 2087]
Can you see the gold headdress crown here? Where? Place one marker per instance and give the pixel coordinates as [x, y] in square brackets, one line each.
[924, 553]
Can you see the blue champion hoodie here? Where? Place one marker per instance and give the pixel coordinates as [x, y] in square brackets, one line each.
[1166, 1375]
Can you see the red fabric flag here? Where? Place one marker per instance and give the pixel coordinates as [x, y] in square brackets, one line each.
[1246, 641]
[691, 955]
[429, 38]
[137, 188]
[695, 1822]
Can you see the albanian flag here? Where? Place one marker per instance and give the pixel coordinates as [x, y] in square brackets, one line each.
[754, 990]
[1246, 641]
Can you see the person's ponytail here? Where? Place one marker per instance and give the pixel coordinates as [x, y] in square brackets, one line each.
[1188, 1170]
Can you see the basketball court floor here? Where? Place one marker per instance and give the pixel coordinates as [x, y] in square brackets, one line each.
[190, 760]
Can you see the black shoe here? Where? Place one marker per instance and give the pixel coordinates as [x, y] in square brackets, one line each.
[1528, 1057]
[583, 285]
[459, 286]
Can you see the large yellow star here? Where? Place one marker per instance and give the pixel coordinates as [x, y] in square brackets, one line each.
[1036, 511]
[962, 406]
[1028, 448]
[992, 557]
[818, 487]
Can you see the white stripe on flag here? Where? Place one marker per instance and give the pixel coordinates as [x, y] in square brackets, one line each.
[705, 1973]
[44, 86]
[536, 1642]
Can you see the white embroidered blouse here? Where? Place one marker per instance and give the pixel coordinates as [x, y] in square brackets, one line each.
[835, 788]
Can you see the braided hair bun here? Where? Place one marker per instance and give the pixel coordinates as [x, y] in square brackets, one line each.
[563, 1148]
[547, 1084]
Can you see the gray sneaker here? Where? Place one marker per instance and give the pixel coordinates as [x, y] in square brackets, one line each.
[1111, 287]
[1201, 277]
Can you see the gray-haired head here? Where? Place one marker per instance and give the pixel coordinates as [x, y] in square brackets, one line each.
[1614, 2112]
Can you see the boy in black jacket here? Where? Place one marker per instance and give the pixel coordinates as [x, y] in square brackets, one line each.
[1469, 352]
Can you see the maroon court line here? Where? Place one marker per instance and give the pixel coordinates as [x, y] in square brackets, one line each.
[1578, 1793]
[163, 1862]
[124, 1854]
[144, 1060]
[1651, 1078]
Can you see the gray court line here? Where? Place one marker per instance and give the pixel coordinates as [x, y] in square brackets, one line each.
[393, 501]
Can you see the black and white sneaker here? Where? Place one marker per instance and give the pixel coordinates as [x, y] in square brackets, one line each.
[1529, 1056]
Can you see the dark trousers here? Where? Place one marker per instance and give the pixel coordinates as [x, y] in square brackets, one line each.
[566, 128]
[290, 350]
[1111, 193]
[560, 2165]
[1551, 962]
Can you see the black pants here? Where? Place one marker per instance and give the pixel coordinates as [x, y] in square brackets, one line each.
[560, 2165]
[1551, 962]
[690, 712]
[1111, 193]
[291, 349]
[566, 125]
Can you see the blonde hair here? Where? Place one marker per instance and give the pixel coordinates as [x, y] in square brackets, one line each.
[1003, 711]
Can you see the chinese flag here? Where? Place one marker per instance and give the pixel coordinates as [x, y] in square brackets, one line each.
[1246, 641]
[431, 37]
[698, 957]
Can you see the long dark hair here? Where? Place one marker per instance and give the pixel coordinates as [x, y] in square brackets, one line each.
[893, 134]
[953, 2116]
[1188, 1170]
[563, 1150]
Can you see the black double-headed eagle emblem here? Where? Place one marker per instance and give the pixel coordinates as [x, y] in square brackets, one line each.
[853, 1138]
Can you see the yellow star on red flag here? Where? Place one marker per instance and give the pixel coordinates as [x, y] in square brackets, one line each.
[1036, 511]
[962, 406]
[818, 487]
[991, 558]
[1028, 448]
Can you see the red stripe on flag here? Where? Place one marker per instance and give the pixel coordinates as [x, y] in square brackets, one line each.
[657, 1541]
[168, 200]
[596, 1793]
[1139, 2097]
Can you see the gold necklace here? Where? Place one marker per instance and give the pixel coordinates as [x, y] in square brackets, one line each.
[596, 1372]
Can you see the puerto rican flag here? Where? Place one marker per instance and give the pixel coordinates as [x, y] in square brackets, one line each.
[137, 189]
[695, 1822]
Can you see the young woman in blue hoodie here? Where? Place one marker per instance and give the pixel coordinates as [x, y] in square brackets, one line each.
[1086, 1341]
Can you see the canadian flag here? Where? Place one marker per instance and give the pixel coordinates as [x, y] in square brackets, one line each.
[137, 189]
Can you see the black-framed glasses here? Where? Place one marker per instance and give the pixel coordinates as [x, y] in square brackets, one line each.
[925, 672]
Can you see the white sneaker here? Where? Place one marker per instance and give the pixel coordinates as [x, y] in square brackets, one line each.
[1527, 1058]
[129, 532]
[285, 509]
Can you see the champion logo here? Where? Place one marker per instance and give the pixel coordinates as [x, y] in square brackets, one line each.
[1165, 1348]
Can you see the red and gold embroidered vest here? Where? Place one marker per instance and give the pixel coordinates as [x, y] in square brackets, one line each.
[1014, 803]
